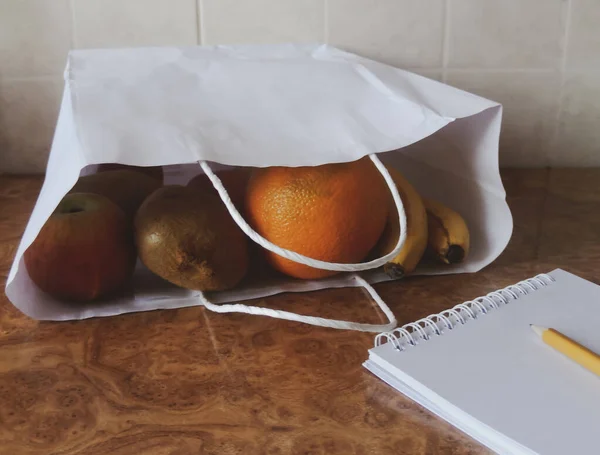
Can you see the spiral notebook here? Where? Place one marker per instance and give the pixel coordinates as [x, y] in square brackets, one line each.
[481, 368]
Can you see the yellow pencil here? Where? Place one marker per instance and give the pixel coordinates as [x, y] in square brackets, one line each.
[573, 350]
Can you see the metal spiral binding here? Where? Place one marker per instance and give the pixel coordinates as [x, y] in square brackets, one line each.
[437, 324]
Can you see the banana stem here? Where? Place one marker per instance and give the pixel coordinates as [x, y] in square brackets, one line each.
[455, 254]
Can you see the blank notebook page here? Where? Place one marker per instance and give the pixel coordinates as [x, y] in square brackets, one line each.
[496, 370]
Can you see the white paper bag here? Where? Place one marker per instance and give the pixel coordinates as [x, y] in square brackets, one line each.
[285, 105]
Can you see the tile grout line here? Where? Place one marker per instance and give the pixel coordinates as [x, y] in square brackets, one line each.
[551, 161]
[326, 21]
[503, 70]
[73, 25]
[498, 70]
[446, 41]
[34, 77]
[200, 38]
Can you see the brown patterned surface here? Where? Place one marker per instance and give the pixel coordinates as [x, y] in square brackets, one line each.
[193, 382]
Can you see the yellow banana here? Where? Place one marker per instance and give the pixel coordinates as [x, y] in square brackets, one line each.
[416, 232]
[448, 238]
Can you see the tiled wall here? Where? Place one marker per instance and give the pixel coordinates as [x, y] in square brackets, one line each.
[540, 58]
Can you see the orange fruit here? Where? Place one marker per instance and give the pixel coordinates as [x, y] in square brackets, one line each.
[334, 212]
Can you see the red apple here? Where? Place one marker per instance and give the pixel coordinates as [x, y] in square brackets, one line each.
[84, 251]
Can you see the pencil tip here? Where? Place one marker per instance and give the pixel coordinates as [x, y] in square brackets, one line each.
[537, 329]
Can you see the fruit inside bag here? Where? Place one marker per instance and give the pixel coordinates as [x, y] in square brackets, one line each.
[189, 247]
[339, 213]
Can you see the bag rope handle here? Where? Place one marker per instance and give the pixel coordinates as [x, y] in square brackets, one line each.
[311, 320]
[299, 258]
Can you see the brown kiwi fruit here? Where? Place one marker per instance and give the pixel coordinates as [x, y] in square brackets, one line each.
[187, 237]
[124, 187]
[151, 171]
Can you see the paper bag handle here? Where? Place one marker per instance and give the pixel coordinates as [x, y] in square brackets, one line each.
[311, 320]
[299, 258]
